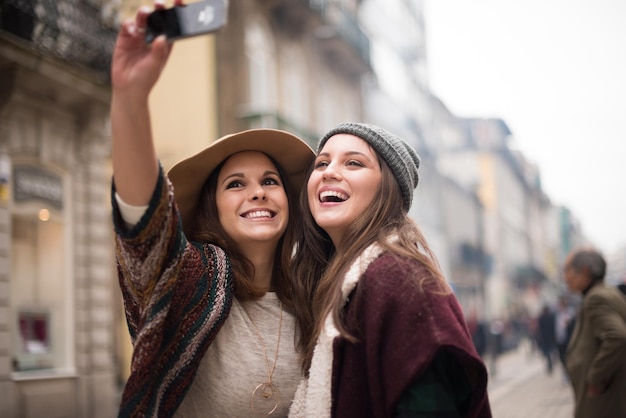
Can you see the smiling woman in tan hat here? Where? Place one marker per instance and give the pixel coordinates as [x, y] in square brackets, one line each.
[204, 257]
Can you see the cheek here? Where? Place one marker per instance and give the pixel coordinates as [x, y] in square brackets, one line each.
[370, 191]
[220, 216]
[223, 207]
[373, 193]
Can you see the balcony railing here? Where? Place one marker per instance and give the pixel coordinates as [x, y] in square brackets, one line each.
[333, 26]
[345, 23]
[75, 31]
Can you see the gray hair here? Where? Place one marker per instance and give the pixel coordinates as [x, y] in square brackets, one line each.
[591, 260]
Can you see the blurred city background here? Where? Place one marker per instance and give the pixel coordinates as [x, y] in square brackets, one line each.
[298, 65]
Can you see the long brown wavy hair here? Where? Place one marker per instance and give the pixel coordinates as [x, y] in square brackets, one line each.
[208, 228]
[319, 267]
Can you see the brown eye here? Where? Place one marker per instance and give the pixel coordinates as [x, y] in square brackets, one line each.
[233, 184]
[271, 182]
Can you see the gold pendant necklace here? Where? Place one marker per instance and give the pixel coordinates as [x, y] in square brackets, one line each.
[265, 396]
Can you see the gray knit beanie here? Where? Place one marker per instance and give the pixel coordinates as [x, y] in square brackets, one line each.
[399, 155]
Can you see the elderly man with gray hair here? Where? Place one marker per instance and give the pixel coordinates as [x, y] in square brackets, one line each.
[596, 354]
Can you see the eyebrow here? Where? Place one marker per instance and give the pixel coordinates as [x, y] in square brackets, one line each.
[242, 175]
[347, 154]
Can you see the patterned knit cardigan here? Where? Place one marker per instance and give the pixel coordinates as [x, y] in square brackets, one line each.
[177, 295]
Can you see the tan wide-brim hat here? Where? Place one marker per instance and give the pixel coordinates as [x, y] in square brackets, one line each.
[189, 175]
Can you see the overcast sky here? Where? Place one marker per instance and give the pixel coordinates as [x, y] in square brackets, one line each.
[555, 71]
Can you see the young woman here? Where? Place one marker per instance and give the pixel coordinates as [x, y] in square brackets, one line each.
[203, 257]
[383, 335]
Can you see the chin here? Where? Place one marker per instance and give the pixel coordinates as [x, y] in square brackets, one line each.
[330, 227]
[274, 236]
[324, 223]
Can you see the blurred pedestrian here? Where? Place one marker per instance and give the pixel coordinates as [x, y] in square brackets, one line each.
[596, 354]
[564, 317]
[546, 336]
[478, 331]
[495, 343]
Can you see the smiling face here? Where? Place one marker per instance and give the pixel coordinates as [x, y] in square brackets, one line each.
[251, 200]
[344, 182]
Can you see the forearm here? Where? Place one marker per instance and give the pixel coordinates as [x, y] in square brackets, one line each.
[135, 69]
[135, 165]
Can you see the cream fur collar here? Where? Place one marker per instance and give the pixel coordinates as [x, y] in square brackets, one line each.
[313, 397]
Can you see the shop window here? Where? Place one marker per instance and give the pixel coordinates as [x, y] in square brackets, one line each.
[34, 341]
[41, 296]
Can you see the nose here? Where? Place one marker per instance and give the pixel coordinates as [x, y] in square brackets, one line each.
[258, 193]
[331, 172]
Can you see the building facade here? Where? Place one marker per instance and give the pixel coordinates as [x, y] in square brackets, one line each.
[56, 263]
[293, 65]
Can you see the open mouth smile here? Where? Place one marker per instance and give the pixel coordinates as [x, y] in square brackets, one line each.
[333, 196]
[259, 214]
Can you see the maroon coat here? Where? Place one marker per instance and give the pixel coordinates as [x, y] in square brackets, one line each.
[400, 327]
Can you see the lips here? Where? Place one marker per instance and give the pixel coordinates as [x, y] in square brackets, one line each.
[334, 196]
[258, 214]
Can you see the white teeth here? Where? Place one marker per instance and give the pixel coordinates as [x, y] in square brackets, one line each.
[258, 214]
[333, 194]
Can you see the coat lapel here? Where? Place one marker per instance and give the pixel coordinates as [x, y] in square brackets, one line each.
[313, 397]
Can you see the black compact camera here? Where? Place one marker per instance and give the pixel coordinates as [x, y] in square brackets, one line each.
[188, 20]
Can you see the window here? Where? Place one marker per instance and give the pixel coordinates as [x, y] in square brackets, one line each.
[262, 72]
[41, 294]
[34, 340]
[294, 87]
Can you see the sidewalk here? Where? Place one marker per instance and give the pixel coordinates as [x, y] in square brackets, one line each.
[521, 388]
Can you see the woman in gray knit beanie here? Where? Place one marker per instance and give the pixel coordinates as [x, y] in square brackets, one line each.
[383, 335]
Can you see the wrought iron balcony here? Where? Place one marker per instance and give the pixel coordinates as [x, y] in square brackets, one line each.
[335, 28]
[76, 31]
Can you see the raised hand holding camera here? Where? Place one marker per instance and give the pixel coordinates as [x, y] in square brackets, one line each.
[184, 21]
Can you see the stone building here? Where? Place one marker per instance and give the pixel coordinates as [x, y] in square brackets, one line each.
[293, 65]
[56, 270]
